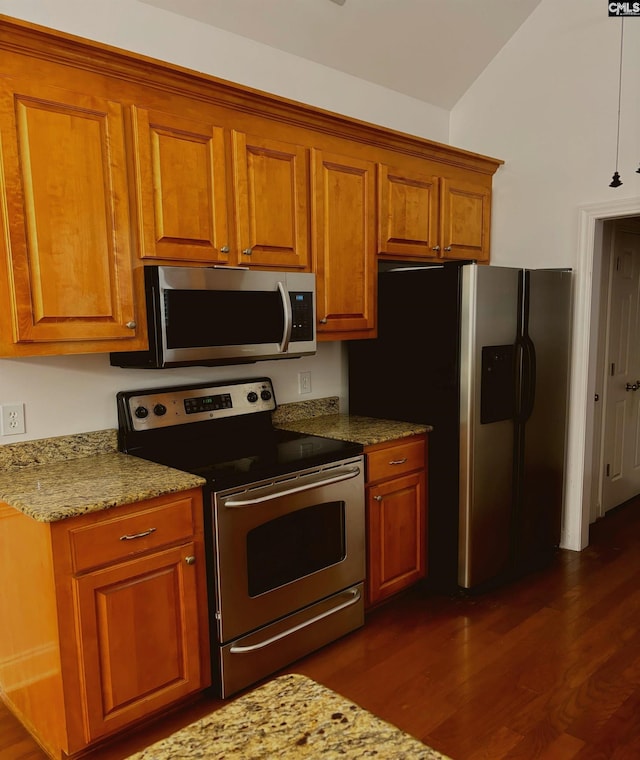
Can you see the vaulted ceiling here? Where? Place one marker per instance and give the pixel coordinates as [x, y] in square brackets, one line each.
[432, 50]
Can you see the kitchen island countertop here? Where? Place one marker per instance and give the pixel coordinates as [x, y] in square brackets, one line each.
[290, 718]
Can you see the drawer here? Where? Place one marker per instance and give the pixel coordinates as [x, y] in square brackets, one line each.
[395, 459]
[124, 536]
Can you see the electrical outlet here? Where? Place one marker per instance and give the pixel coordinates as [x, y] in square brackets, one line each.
[12, 419]
[304, 382]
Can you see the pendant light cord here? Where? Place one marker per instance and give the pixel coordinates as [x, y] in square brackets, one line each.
[619, 89]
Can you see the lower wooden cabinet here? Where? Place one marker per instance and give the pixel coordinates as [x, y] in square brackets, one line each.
[396, 516]
[119, 602]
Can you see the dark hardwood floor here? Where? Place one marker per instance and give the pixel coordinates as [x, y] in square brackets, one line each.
[548, 667]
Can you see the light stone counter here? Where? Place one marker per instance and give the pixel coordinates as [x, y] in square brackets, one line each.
[290, 718]
[55, 478]
[349, 427]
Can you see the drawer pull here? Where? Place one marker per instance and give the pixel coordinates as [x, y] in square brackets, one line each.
[398, 461]
[138, 535]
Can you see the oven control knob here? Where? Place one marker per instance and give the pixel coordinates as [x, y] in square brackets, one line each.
[252, 397]
[265, 395]
[159, 409]
[141, 412]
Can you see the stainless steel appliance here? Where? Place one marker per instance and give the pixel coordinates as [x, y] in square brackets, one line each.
[481, 353]
[284, 517]
[218, 315]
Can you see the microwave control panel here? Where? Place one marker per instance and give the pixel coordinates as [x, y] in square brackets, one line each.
[303, 317]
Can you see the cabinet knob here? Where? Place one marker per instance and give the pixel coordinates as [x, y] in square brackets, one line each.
[447, 248]
[323, 321]
[436, 248]
[224, 249]
[247, 251]
[131, 325]
[378, 498]
[190, 560]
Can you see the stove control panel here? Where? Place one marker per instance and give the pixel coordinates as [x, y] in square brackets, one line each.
[163, 407]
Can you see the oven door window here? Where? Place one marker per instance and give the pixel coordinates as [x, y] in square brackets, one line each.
[295, 545]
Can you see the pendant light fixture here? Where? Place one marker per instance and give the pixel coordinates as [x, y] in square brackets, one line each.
[616, 181]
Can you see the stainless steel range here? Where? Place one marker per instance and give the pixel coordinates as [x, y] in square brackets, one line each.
[284, 517]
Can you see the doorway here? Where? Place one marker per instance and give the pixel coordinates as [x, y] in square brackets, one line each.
[585, 419]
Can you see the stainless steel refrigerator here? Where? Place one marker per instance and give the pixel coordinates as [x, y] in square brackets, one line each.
[482, 354]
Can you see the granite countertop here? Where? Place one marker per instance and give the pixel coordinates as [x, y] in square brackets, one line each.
[289, 718]
[354, 428]
[54, 479]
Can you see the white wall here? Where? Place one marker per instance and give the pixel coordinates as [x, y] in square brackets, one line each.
[77, 394]
[548, 106]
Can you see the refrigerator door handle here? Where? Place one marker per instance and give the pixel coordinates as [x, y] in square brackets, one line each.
[528, 379]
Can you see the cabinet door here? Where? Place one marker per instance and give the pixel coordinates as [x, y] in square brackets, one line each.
[343, 232]
[408, 213]
[396, 535]
[271, 184]
[465, 220]
[138, 633]
[66, 204]
[180, 188]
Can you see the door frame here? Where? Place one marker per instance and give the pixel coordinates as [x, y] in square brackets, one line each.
[584, 361]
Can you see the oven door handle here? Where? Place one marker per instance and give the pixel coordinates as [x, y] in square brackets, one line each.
[288, 317]
[268, 494]
[355, 597]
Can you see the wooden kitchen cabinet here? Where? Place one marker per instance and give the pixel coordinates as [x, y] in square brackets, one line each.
[431, 217]
[66, 278]
[396, 497]
[110, 160]
[184, 214]
[180, 188]
[122, 627]
[343, 233]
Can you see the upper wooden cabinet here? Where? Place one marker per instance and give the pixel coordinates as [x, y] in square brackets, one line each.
[180, 188]
[110, 161]
[431, 217]
[344, 245]
[271, 189]
[465, 220]
[66, 276]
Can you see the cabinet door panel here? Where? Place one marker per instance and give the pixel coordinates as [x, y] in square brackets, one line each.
[397, 539]
[271, 192]
[181, 192]
[408, 221]
[139, 623]
[344, 230]
[66, 192]
[465, 220]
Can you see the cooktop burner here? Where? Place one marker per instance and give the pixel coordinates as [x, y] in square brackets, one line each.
[221, 431]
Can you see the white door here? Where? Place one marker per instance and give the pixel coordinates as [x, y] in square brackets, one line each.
[621, 446]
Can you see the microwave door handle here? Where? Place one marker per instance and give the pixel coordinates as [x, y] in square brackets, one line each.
[288, 317]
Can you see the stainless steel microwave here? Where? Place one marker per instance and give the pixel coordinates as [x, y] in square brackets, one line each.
[209, 316]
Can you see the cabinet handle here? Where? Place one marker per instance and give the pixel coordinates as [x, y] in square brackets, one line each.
[398, 461]
[247, 251]
[323, 321]
[131, 325]
[224, 249]
[436, 248]
[138, 535]
[190, 560]
[448, 248]
[378, 498]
